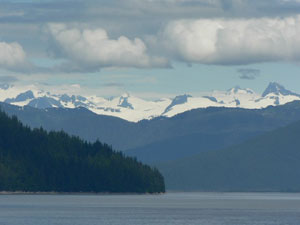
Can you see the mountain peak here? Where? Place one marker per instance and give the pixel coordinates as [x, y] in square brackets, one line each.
[178, 100]
[21, 97]
[277, 89]
[123, 101]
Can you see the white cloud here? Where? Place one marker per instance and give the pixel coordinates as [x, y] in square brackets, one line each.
[93, 49]
[233, 41]
[12, 56]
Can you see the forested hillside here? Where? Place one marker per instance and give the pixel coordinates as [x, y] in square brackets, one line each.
[35, 160]
[270, 162]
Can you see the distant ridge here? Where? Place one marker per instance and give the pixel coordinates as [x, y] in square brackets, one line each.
[270, 162]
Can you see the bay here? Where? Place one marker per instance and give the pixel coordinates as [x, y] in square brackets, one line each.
[166, 209]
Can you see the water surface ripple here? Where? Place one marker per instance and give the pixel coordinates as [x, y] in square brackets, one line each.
[168, 209]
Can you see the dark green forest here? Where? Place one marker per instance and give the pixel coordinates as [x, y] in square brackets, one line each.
[40, 161]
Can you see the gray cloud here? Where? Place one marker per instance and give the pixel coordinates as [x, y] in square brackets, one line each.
[21, 22]
[8, 79]
[139, 15]
[248, 74]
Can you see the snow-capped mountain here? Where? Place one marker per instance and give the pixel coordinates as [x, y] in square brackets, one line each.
[134, 109]
[277, 89]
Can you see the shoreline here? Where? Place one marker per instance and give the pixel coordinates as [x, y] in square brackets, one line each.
[73, 193]
[133, 193]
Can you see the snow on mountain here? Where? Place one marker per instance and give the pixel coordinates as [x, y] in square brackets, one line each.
[178, 106]
[237, 97]
[134, 109]
[131, 108]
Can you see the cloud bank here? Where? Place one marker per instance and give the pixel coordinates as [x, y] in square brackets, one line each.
[12, 57]
[217, 32]
[233, 41]
[92, 49]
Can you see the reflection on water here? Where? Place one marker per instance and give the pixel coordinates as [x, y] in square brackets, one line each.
[171, 208]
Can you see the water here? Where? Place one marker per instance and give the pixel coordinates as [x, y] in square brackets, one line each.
[171, 208]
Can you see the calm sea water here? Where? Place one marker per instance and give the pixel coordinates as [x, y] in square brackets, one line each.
[171, 208]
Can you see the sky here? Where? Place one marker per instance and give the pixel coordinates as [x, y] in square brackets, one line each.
[149, 48]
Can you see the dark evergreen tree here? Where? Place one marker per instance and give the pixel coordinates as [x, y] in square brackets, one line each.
[36, 160]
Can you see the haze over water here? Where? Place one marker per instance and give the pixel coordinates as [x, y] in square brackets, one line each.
[171, 208]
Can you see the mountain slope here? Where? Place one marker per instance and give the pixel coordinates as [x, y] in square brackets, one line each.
[210, 129]
[270, 162]
[162, 139]
[185, 146]
[79, 121]
[34, 160]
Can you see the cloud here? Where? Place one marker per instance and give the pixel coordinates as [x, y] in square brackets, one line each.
[13, 57]
[131, 18]
[248, 74]
[92, 49]
[8, 79]
[233, 41]
[126, 20]
[113, 84]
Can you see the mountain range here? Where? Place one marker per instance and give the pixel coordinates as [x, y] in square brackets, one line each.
[135, 109]
[170, 142]
[162, 139]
